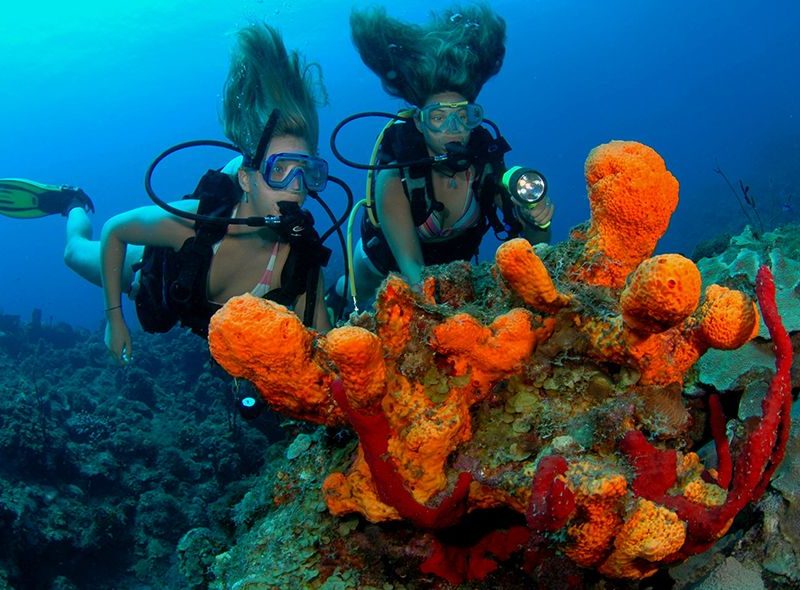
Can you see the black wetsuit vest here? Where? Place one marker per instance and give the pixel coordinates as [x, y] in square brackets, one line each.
[173, 284]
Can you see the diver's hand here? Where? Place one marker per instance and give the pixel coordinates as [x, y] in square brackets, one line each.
[539, 215]
[118, 338]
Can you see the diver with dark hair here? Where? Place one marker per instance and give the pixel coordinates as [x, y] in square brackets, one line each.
[437, 179]
[243, 230]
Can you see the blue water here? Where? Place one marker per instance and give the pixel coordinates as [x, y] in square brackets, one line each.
[93, 91]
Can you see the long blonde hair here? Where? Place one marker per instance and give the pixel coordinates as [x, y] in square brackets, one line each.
[264, 76]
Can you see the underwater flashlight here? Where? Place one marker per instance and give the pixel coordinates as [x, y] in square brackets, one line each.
[525, 185]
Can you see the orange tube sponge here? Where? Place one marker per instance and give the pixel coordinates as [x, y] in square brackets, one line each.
[599, 519]
[420, 450]
[355, 492]
[649, 534]
[265, 343]
[632, 197]
[665, 358]
[359, 359]
[423, 434]
[488, 353]
[661, 293]
[394, 312]
[526, 274]
[728, 318]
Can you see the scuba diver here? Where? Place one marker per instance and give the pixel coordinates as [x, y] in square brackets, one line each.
[243, 230]
[437, 178]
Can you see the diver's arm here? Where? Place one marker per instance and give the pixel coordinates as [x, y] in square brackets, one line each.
[321, 321]
[146, 226]
[535, 234]
[397, 224]
[532, 220]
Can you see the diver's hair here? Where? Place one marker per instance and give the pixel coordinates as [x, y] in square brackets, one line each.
[457, 51]
[263, 76]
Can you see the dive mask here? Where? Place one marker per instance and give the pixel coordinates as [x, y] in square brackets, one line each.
[280, 170]
[454, 117]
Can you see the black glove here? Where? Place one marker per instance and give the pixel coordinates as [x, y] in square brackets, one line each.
[296, 225]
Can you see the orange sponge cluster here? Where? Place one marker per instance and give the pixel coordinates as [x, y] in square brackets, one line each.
[728, 318]
[650, 534]
[265, 343]
[495, 396]
[661, 331]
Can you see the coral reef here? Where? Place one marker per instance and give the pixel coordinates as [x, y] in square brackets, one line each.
[543, 391]
[736, 267]
[102, 470]
[144, 477]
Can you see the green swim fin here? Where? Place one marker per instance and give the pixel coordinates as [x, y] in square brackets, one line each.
[26, 199]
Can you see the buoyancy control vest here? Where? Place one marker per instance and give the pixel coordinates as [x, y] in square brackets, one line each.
[402, 142]
[173, 284]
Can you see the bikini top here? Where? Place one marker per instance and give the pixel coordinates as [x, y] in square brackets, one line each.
[433, 229]
[263, 285]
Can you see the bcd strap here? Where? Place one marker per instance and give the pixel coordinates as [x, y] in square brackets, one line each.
[217, 195]
[402, 142]
[300, 275]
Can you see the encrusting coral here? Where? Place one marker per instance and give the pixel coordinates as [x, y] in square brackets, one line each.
[521, 390]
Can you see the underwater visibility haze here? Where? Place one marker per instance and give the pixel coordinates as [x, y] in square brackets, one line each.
[148, 477]
[94, 91]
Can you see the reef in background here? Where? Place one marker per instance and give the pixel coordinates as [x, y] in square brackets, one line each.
[103, 469]
[516, 421]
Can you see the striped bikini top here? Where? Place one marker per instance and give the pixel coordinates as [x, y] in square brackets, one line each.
[262, 286]
[432, 228]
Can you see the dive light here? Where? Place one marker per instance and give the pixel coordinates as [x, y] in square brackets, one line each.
[250, 407]
[526, 186]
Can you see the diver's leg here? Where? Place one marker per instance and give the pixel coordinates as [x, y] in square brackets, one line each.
[368, 278]
[82, 253]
